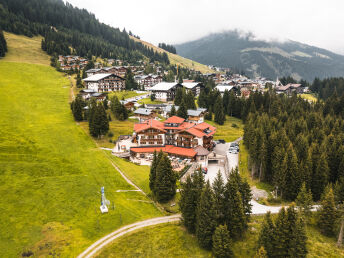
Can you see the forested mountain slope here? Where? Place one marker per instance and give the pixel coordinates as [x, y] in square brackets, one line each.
[262, 58]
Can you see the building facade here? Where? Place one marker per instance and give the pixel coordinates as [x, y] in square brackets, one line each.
[105, 82]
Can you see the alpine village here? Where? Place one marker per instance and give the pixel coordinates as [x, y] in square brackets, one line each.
[113, 147]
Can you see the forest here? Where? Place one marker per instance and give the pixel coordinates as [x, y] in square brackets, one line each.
[3, 44]
[70, 30]
[167, 47]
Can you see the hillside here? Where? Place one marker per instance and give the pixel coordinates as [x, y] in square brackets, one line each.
[261, 58]
[177, 59]
[50, 170]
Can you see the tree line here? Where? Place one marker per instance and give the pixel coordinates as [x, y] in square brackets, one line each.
[167, 47]
[328, 87]
[3, 44]
[216, 213]
[291, 141]
[69, 30]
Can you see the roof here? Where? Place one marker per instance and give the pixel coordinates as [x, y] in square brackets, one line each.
[164, 86]
[174, 120]
[169, 108]
[170, 149]
[195, 132]
[143, 111]
[192, 112]
[223, 88]
[283, 88]
[97, 77]
[190, 85]
[201, 151]
[87, 91]
[151, 123]
[92, 70]
[202, 109]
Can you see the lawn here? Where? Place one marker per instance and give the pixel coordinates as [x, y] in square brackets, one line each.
[308, 96]
[51, 171]
[171, 240]
[149, 101]
[25, 50]
[231, 130]
[139, 175]
[125, 94]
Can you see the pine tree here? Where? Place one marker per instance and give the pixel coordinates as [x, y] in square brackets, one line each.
[179, 97]
[3, 44]
[173, 111]
[188, 204]
[152, 174]
[165, 181]
[327, 213]
[219, 198]
[77, 108]
[267, 235]
[99, 124]
[220, 116]
[261, 253]
[280, 248]
[304, 200]
[190, 100]
[235, 217]
[206, 220]
[292, 182]
[222, 245]
[182, 111]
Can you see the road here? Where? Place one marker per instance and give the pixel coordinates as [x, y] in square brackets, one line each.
[138, 97]
[101, 243]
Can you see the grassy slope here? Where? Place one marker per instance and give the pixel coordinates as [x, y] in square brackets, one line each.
[179, 60]
[149, 101]
[25, 50]
[309, 97]
[125, 94]
[50, 170]
[171, 240]
[227, 131]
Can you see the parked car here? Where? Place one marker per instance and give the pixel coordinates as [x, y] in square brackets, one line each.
[205, 170]
[234, 145]
[221, 141]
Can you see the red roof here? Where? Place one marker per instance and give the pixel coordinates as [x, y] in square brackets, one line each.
[195, 132]
[151, 123]
[175, 120]
[170, 149]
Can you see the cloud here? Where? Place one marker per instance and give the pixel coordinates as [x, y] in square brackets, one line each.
[314, 22]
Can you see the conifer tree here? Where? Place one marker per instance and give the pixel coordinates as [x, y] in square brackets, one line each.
[77, 107]
[182, 111]
[222, 245]
[267, 234]
[327, 213]
[165, 180]
[235, 217]
[206, 220]
[291, 184]
[202, 100]
[188, 204]
[173, 111]
[219, 198]
[280, 248]
[152, 173]
[304, 200]
[220, 116]
[179, 97]
[3, 44]
[190, 100]
[99, 124]
[261, 253]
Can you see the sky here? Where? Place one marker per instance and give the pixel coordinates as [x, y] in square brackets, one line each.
[317, 23]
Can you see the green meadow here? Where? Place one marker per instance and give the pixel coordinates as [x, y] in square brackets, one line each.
[231, 130]
[51, 171]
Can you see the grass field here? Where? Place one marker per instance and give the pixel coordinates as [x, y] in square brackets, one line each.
[149, 101]
[309, 97]
[227, 131]
[51, 171]
[25, 50]
[136, 173]
[171, 240]
[179, 60]
[125, 94]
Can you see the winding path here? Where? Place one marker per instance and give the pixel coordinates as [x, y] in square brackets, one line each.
[101, 243]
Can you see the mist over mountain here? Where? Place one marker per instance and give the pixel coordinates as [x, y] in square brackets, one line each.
[269, 59]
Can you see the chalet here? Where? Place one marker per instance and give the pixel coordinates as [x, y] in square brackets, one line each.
[144, 114]
[196, 116]
[222, 88]
[129, 105]
[195, 87]
[148, 81]
[174, 136]
[165, 91]
[105, 82]
[91, 72]
[289, 88]
[89, 93]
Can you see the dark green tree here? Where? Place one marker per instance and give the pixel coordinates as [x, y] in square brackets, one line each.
[206, 220]
[77, 106]
[165, 180]
[179, 96]
[173, 111]
[188, 204]
[190, 100]
[99, 124]
[304, 200]
[220, 116]
[327, 213]
[222, 244]
[267, 235]
[219, 198]
[182, 111]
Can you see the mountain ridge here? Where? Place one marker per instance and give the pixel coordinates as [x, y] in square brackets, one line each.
[263, 58]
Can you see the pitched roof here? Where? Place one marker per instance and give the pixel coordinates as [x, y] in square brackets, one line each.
[174, 120]
[170, 149]
[151, 123]
[97, 77]
[201, 151]
[223, 88]
[190, 85]
[163, 86]
[169, 108]
[143, 111]
[192, 112]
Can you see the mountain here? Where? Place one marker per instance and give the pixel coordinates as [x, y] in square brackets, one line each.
[262, 58]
